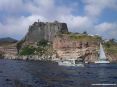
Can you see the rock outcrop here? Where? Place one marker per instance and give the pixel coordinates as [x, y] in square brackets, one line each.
[47, 31]
[68, 46]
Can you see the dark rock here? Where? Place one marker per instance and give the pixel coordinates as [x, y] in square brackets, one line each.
[47, 31]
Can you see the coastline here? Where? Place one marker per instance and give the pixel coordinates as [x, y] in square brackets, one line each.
[30, 57]
[39, 58]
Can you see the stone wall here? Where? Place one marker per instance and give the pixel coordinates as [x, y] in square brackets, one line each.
[45, 30]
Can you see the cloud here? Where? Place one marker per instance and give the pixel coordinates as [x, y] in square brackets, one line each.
[107, 30]
[45, 10]
[77, 23]
[40, 6]
[104, 27]
[96, 7]
[11, 6]
[49, 10]
[17, 27]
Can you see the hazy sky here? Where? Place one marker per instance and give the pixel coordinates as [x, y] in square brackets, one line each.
[93, 16]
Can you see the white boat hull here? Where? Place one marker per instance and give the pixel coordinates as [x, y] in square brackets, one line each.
[64, 64]
[70, 64]
[102, 62]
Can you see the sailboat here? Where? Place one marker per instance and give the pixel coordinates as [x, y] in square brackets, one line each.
[102, 57]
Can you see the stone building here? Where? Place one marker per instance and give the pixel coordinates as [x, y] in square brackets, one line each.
[45, 30]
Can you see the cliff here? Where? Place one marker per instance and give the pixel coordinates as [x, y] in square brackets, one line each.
[77, 46]
[41, 30]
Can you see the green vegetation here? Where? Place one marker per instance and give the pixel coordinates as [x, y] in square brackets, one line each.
[28, 50]
[111, 46]
[42, 43]
[84, 37]
[42, 47]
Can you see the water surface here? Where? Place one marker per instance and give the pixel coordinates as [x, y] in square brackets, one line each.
[17, 73]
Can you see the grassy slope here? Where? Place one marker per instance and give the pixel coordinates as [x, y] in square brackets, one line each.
[85, 38]
[111, 48]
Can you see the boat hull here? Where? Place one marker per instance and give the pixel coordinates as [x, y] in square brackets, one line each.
[70, 64]
[102, 62]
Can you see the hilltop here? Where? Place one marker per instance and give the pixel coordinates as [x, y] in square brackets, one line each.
[7, 41]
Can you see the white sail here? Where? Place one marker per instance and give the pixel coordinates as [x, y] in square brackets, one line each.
[102, 55]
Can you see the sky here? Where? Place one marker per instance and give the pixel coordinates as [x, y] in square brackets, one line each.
[94, 16]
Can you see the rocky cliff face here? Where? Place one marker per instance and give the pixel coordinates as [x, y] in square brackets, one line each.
[79, 46]
[47, 31]
[76, 46]
[74, 41]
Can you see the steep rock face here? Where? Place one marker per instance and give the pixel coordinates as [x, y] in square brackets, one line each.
[68, 41]
[47, 31]
[67, 47]
[77, 46]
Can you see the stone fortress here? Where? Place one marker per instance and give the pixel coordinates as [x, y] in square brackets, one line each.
[47, 31]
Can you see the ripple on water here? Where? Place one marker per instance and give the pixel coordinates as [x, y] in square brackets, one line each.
[46, 74]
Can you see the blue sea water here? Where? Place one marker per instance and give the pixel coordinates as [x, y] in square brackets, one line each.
[18, 73]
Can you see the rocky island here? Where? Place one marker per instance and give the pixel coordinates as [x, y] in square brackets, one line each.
[52, 41]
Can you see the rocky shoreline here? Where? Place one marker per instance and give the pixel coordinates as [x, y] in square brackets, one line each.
[29, 57]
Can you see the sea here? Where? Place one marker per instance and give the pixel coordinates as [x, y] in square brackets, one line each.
[20, 73]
